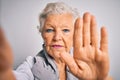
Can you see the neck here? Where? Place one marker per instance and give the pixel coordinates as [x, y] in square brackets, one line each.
[62, 69]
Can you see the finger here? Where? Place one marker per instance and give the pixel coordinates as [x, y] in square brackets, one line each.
[104, 40]
[94, 32]
[2, 37]
[86, 29]
[70, 62]
[78, 41]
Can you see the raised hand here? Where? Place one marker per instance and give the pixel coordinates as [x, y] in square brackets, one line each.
[5, 53]
[90, 61]
[6, 58]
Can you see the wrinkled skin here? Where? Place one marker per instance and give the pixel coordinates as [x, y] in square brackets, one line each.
[58, 30]
[90, 62]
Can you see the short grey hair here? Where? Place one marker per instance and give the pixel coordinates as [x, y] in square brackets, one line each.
[56, 8]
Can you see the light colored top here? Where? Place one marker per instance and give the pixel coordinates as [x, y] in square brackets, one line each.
[40, 67]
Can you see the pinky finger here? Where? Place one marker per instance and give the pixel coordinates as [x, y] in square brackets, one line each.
[104, 40]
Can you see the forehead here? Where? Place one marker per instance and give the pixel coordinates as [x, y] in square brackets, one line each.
[65, 19]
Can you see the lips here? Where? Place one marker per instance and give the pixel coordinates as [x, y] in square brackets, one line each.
[57, 46]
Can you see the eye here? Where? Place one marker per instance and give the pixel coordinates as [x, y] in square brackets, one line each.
[66, 30]
[49, 30]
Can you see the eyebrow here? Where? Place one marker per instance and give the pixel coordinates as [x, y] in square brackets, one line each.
[48, 24]
[52, 26]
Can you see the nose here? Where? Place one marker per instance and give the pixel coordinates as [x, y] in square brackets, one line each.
[57, 36]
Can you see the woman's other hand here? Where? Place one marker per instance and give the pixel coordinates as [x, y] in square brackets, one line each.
[6, 58]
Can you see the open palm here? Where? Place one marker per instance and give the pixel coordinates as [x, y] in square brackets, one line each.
[90, 61]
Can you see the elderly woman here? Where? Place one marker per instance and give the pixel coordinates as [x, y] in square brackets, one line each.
[70, 51]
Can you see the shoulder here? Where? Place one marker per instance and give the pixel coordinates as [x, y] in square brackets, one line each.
[30, 61]
[40, 56]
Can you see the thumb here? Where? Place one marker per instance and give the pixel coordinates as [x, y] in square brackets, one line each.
[70, 62]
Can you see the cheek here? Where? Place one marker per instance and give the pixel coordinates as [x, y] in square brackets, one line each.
[69, 42]
[47, 39]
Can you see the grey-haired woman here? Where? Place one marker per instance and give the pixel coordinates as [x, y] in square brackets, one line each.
[70, 48]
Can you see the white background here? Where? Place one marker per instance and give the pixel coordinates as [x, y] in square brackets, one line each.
[19, 19]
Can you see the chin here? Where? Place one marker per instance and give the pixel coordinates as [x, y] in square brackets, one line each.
[56, 54]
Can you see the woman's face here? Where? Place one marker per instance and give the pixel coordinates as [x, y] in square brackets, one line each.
[58, 34]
